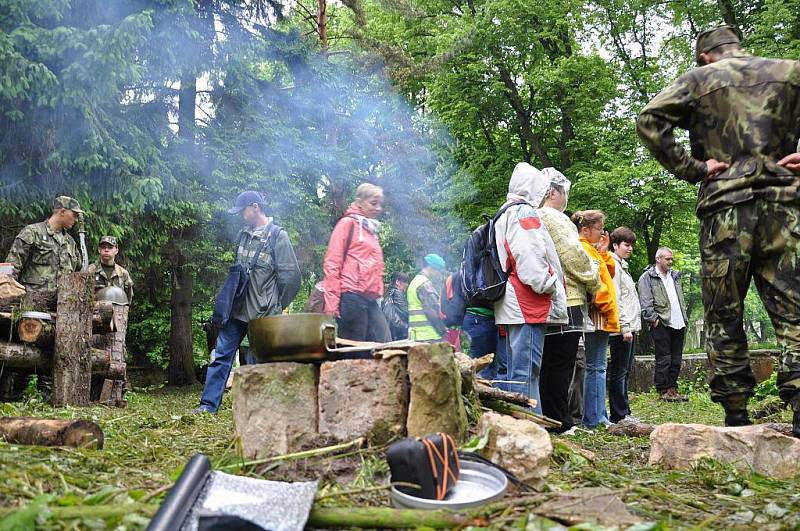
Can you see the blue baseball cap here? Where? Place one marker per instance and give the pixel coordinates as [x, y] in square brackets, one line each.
[245, 199]
[435, 261]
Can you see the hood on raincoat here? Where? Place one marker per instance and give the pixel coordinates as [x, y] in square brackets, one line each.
[557, 178]
[529, 184]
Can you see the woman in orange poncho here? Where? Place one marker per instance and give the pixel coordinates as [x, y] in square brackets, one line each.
[604, 315]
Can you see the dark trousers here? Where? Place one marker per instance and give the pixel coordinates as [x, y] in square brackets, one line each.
[668, 343]
[619, 369]
[361, 319]
[558, 366]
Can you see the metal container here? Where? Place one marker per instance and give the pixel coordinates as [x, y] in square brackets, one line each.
[478, 484]
[44, 316]
[295, 337]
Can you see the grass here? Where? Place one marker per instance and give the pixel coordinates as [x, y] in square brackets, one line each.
[146, 445]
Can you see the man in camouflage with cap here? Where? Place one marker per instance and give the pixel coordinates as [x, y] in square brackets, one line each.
[107, 272]
[743, 118]
[44, 251]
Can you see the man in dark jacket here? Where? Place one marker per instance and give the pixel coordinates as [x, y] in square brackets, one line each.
[395, 306]
[742, 114]
[664, 309]
[274, 281]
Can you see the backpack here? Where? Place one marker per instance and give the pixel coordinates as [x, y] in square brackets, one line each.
[452, 303]
[483, 280]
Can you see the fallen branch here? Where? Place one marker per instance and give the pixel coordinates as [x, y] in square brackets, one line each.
[485, 391]
[71, 512]
[51, 432]
[297, 455]
[520, 413]
[384, 517]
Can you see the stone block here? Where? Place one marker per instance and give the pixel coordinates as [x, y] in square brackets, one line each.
[363, 398]
[757, 448]
[435, 403]
[275, 408]
[521, 446]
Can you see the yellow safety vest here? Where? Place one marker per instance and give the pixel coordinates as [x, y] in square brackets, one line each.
[419, 327]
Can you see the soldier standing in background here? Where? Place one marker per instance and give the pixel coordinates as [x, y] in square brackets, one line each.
[43, 251]
[107, 272]
[743, 118]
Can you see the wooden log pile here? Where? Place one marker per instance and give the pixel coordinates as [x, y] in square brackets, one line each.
[80, 343]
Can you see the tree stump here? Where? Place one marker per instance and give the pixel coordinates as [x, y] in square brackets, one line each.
[72, 364]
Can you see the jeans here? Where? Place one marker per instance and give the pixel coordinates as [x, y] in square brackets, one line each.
[619, 369]
[361, 319]
[594, 383]
[525, 345]
[668, 344]
[484, 339]
[230, 335]
[558, 366]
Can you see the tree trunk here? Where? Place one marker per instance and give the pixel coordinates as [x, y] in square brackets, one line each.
[51, 432]
[728, 13]
[322, 24]
[72, 364]
[181, 361]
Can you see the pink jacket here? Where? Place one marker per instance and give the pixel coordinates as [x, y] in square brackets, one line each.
[359, 268]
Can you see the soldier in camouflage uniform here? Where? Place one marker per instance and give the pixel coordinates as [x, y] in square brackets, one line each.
[44, 251]
[743, 118]
[107, 272]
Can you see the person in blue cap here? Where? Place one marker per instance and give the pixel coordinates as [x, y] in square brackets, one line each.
[424, 319]
[263, 281]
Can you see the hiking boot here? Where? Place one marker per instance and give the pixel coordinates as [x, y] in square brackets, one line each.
[737, 417]
[796, 423]
[678, 397]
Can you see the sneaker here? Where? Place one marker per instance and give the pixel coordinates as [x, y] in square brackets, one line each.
[202, 409]
[574, 431]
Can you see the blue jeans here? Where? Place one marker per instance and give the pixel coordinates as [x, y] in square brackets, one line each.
[230, 335]
[525, 346]
[594, 383]
[484, 339]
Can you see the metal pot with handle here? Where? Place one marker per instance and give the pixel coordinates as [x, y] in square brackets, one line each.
[302, 337]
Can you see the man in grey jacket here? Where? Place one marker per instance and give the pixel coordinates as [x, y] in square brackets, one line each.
[274, 280]
[664, 309]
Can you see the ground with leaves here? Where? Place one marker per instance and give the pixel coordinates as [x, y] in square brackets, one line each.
[147, 444]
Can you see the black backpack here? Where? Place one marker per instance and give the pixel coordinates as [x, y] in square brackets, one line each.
[483, 280]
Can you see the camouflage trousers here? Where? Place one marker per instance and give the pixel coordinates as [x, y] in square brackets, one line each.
[761, 240]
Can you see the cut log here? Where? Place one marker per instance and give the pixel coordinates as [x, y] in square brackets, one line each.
[485, 391]
[51, 432]
[36, 332]
[72, 364]
[632, 430]
[24, 356]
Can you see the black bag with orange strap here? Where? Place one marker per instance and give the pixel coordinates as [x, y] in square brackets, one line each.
[430, 462]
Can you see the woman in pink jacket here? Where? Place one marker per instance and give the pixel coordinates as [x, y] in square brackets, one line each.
[353, 268]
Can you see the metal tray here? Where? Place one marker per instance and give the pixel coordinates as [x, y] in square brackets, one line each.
[44, 316]
[477, 485]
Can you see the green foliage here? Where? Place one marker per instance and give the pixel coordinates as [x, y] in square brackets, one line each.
[767, 388]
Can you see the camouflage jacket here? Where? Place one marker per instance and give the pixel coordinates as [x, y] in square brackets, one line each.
[119, 278]
[41, 255]
[742, 110]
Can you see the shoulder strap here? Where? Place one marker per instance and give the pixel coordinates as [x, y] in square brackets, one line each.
[271, 237]
[349, 239]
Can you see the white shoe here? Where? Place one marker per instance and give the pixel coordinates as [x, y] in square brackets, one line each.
[629, 419]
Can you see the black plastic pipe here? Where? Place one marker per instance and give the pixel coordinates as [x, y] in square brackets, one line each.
[182, 496]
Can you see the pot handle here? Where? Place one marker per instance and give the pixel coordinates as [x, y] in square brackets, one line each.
[328, 331]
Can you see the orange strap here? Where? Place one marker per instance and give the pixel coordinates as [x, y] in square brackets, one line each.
[434, 454]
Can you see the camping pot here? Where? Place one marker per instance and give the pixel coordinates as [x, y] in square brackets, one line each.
[295, 337]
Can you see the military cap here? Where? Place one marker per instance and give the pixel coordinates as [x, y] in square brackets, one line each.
[712, 38]
[109, 240]
[67, 202]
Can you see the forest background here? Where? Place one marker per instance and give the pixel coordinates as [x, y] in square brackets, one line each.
[156, 113]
